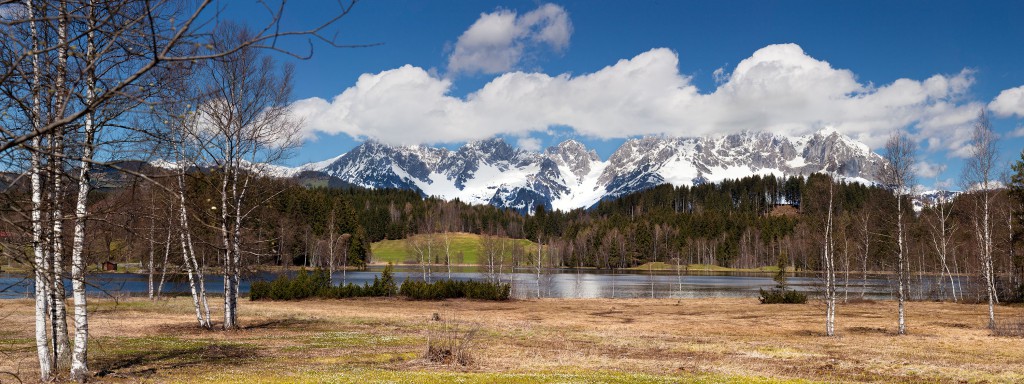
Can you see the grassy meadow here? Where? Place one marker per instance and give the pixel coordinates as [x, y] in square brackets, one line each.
[527, 341]
[466, 244]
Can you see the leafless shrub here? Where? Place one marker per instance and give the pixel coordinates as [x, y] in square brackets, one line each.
[450, 342]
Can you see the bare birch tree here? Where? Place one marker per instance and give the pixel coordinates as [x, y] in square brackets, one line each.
[446, 240]
[829, 263]
[941, 230]
[898, 176]
[980, 177]
[246, 124]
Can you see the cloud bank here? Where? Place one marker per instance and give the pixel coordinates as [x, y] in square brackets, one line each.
[497, 41]
[779, 88]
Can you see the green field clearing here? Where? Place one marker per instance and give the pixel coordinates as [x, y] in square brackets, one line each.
[465, 244]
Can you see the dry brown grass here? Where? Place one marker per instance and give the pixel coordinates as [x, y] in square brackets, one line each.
[538, 340]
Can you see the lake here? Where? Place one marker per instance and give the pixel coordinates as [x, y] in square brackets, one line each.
[561, 283]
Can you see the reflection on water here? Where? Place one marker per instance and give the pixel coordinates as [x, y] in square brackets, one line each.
[526, 283]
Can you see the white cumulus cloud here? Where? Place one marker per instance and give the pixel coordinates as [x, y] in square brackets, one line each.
[529, 143]
[928, 170]
[779, 88]
[497, 41]
[1009, 102]
[1017, 132]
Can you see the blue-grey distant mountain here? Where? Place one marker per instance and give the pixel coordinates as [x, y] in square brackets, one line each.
[570, 175]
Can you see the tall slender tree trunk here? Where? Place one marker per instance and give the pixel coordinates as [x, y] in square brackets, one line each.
[196, 279]
[864, 261]
[229, 272]
[901, 276]
[537, 265]
[152, 259]
[236, 264]
[39, 255]
[942, 247]
[987, 264]
[59, 322]
[163, 266]
[79, 366]
[846, 271]
[79, 358]
[448, 252]
[830, 269]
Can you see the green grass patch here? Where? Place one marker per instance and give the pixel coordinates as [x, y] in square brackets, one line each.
[6, 341]
[350, 340]
[468, 244]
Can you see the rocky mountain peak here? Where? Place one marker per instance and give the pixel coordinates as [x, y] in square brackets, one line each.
[573, 155]
[569, 175]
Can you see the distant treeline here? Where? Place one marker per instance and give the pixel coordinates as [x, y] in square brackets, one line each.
[745, 223]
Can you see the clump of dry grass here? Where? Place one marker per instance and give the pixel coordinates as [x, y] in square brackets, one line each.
[449, 342]
[1009, 328]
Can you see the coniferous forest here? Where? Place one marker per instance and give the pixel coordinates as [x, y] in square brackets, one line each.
[749, 223]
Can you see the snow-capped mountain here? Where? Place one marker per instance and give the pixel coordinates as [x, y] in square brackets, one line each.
[931, 198]
[569, 175]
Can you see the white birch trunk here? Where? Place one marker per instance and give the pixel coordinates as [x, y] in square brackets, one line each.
[41, 282]
[537, 264]
[448, 252]
[901, 276]
[152, 259]
[237, 262]
[79, 367]
[196, 281]
[830, 271]
[59, 320]
[163, 267]
[986, 242]
[864, 265]
[228, 258]
[190, 269]
[79, 357]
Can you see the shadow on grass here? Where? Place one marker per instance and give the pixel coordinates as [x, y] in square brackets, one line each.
[286, 323]
[145, 357]
[869, 331]
[282, 323]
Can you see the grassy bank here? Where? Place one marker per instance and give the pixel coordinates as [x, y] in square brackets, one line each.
[466, 244]
[584, 341]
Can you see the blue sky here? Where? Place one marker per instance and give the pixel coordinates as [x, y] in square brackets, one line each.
[953, 58]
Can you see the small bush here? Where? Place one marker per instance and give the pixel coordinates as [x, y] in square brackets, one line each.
[781, 296]
[452, 289]
[449, 343]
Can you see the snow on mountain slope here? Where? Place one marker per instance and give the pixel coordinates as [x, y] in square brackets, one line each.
[569, 175]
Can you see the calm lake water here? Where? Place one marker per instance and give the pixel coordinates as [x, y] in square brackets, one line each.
[525, 283]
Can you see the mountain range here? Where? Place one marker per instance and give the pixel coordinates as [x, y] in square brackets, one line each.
[569, 175]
